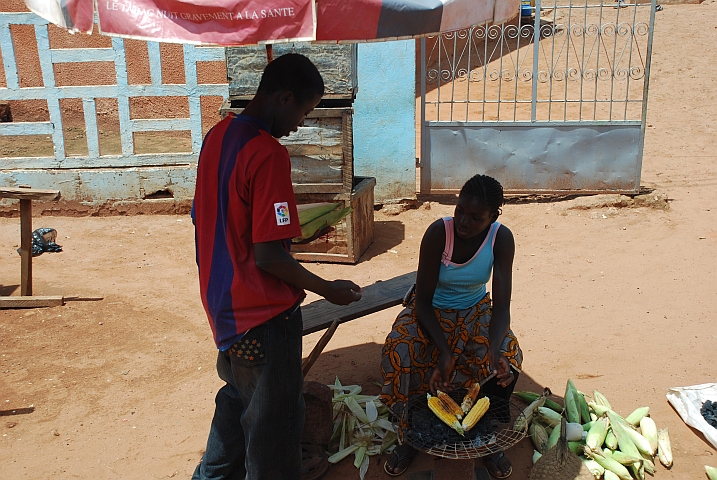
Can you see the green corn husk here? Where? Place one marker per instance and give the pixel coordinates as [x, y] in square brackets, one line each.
[588, 426]
[332, 218]
[576, 447]
[649, 464]
[313, 211]
[536, 456]
[648, 429]
[539, 437]
[553, 438]
[611, 440]
[642, 444]
[609, 463]
[596, 435]
[635, 417]
[582, 407]
[522, 422]
[623, 440]
[530, 397]
[600, 399]
[624, 458]
[547, 417]
[572, 413]
[599, 410]
[711, 472]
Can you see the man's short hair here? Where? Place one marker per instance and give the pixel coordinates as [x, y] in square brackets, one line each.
[293, 72]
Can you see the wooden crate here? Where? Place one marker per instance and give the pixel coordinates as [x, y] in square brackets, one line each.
[321, 150]
[336, 62]
[352, 236]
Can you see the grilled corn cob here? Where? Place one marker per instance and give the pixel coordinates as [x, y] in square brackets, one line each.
[470, 398]
[438, 407]
[476, 413]
[451, 404]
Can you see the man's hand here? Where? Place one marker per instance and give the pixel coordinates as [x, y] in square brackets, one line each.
[501, 367]
[342, 292]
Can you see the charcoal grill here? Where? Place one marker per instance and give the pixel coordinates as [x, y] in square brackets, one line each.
[493, 433]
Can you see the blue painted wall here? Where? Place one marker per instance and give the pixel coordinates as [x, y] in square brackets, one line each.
[385, 118]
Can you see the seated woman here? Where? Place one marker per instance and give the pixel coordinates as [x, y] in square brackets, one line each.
[452, 333]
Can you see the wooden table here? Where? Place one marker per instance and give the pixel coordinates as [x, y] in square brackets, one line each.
[26, 195]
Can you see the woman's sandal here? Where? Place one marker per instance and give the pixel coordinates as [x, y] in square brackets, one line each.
[314, 462]
[491, 463]
[402, 460]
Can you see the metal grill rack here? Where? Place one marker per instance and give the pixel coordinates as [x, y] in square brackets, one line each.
[493, 433]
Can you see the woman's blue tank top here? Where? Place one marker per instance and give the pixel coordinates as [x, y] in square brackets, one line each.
[461, 286]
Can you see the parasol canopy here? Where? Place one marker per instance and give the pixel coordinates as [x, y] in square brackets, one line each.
[252, 22]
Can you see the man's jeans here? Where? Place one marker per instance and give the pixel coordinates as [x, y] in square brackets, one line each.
[259, 415]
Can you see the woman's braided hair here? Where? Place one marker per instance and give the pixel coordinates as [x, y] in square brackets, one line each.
[487, 190]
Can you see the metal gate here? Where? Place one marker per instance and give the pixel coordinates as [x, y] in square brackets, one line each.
[551, 102]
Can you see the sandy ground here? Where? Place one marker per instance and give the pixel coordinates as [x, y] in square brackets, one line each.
[617, 298]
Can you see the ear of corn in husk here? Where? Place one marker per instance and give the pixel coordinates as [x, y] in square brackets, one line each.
[530, 397]
[547, 417]
[600, 399]
[522, 422]
[648, 464]
[711, 472]
[553, 437]
[599, 410]
[476, 413]
[624, 458]
[470, 398]
[611, 440]
[610, 476]
[539, 437]
[642, 444]
[572, 413]
[595, 468]
[451, 404]
[609, 463]
[438, 407]
[664, 449]
[623, 440]
[649, 431]
[637, 415]
[582, 407]
[597, 433]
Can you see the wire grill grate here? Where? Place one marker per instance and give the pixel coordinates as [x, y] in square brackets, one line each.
[494, 432]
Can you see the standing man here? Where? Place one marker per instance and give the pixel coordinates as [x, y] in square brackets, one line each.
[251, 287]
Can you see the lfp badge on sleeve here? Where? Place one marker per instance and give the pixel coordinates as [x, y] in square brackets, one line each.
[282, 213]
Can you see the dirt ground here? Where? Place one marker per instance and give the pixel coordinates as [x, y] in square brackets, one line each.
[617, 295]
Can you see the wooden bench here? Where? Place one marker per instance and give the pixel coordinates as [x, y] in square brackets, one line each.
[321, 314]
[26, 195]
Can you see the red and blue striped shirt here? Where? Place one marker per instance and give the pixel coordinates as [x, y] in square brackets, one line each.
[243, 196]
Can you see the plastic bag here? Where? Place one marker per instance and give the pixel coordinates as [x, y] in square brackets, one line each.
[688, 402]
[43, 240]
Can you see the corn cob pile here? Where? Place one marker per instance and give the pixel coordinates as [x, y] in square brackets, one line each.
[446, 409]
[611, 446]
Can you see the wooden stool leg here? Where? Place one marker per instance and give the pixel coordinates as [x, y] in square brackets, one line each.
[26, 247]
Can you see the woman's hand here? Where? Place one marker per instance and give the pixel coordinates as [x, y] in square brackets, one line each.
[501, 367]
[441, 375]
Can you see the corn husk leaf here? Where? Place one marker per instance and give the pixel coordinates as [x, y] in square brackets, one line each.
[711, 472]
[343, 453]
[332, 218]
[312, 211]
